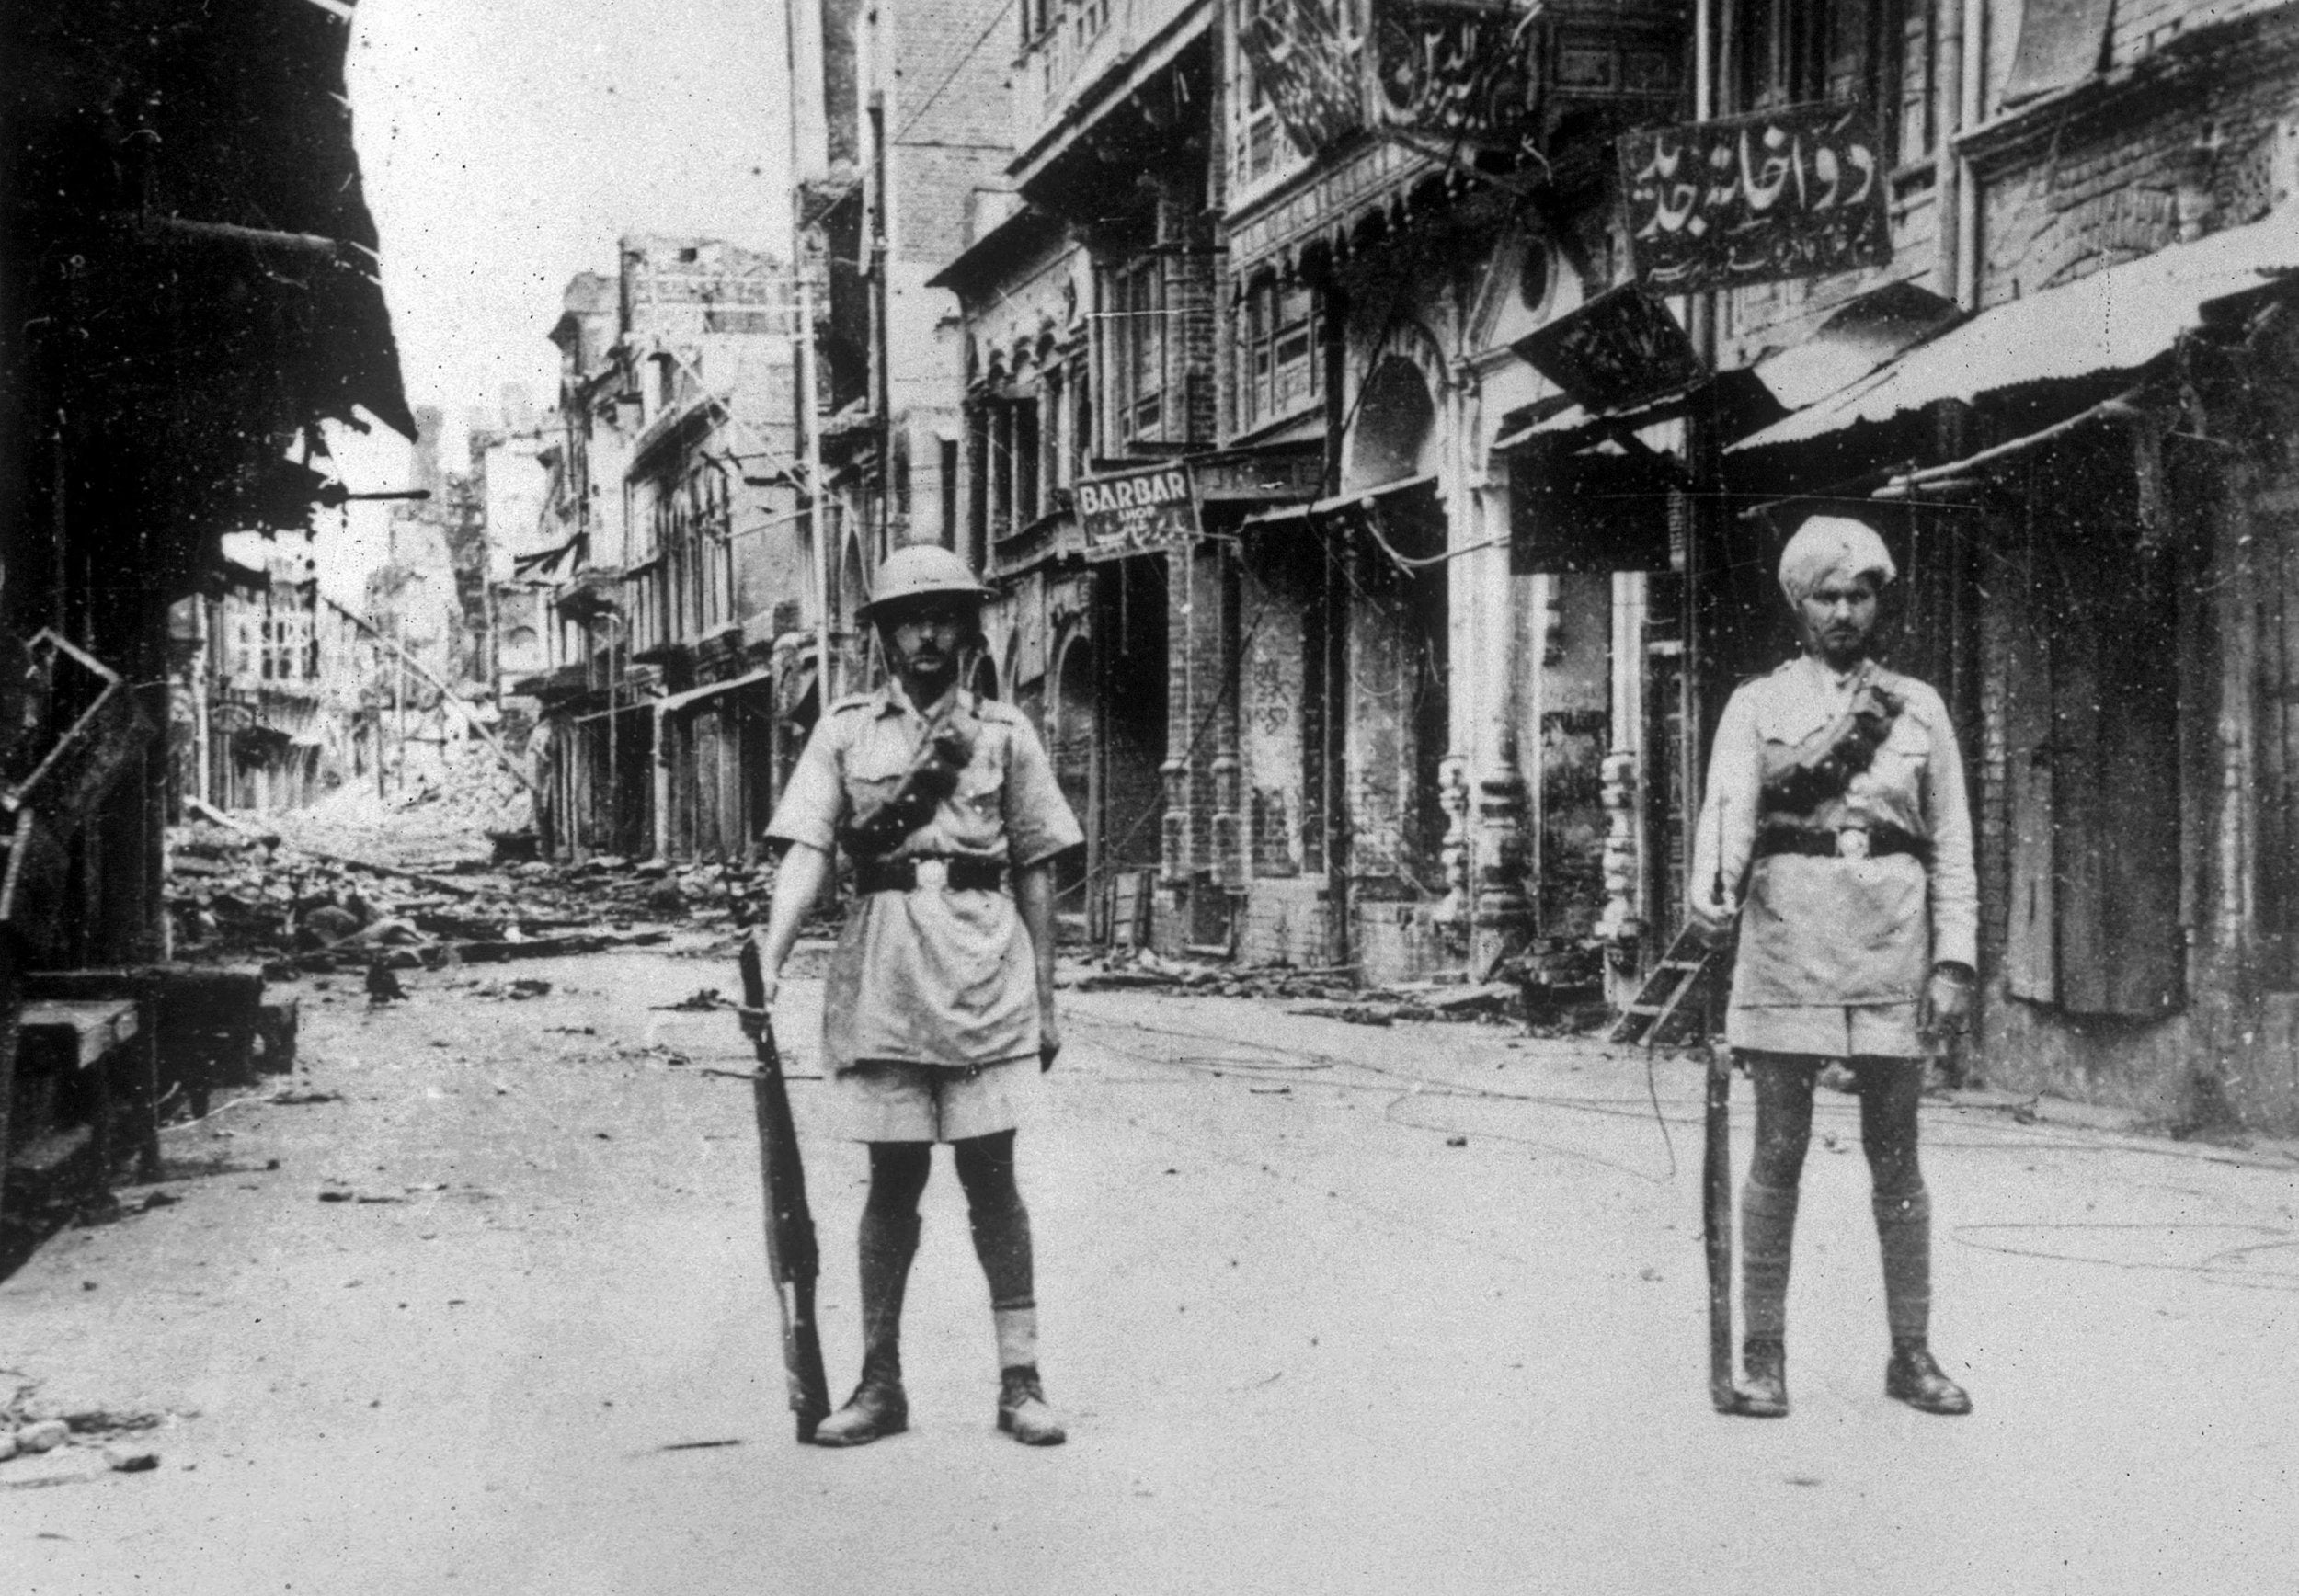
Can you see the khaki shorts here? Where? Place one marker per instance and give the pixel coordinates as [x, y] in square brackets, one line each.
[886, 1100]
[1822, 1031]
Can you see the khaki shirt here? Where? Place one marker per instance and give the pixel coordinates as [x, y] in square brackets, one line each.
[1833, 952]
[932, 975]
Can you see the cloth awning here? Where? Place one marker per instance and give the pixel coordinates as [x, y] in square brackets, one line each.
[2113, 321]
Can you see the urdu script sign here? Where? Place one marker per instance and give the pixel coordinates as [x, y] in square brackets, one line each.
[1796, 192]
[1138, 512]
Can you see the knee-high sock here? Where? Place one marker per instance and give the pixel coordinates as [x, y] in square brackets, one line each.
[1904, 1235]
[1767, 1235]
[1001, 1222]
[888, 1242]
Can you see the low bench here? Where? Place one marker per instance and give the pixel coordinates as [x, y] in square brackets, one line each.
[81, 1047]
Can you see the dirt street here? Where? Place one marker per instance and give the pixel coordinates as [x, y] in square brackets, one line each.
[478, 1305]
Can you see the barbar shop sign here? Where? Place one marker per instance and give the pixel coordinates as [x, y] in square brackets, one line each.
[1797, 192]
[1138, 512]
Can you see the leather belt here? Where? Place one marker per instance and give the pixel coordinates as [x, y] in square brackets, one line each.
[1845, 842]
[947, 872]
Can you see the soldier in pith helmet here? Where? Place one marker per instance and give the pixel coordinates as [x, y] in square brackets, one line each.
[939, 1015]
[1835, 831]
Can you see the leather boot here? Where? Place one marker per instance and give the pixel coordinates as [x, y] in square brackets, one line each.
[1763, 1388]
[1023, 1413]
[1913, 1377]
[878, 1408]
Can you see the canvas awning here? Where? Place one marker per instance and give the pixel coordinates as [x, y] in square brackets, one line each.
[2114, 320]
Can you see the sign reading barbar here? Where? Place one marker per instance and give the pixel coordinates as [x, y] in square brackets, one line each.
[1790, 193]
[1138, 512]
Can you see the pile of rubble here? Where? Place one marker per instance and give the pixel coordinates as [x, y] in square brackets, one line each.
[463, 807]
[237, 891]
[71, 1441]
[1330, 993]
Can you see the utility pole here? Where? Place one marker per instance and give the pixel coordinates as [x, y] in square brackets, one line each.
[203, 732]
[399, 694]
[882, 336]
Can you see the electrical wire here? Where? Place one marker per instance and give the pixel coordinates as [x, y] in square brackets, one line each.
[950, 78]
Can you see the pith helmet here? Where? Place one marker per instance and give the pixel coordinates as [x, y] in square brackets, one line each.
[920, 571]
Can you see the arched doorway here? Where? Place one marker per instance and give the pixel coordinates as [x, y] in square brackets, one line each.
[1395, 418]
[853, 669]
[1392, 675]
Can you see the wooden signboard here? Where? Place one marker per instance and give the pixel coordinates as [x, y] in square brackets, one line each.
[1453, 72]
[1620, 349]
[1796, 192]
[1306, 57]
[1138, 512]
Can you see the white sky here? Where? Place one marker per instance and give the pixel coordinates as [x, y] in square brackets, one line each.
[505, 144]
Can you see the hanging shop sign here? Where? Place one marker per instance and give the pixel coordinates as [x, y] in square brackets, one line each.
[1796, 192]
[1454, 71]
[1306, 56]
[1138, 512]
[1619, 351]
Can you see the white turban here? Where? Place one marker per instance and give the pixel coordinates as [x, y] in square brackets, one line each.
[1831, 545]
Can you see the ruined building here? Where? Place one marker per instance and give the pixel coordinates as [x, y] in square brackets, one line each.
[677, 569]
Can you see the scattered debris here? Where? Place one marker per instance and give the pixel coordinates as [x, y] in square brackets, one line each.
[518, 989]
[321, 888]
[383, 985]
[1356, 1013]
[43, 1435]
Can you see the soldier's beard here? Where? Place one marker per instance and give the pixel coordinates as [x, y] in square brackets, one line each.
[1842, 650]
[926, 675]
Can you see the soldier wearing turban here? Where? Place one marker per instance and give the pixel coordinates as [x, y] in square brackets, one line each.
[1836, 833]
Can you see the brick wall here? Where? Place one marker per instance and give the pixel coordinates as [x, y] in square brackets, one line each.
[2108, 188]
[1269, 703]
[1285, 922]
[933, 200]
[1198, 664]
[951, 59]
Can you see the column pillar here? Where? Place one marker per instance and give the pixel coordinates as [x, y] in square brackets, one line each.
[1501, 913]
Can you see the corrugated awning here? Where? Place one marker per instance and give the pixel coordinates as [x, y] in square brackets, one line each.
[2113, 321]
[1387, 493]
[695, 695]
[1847, 345]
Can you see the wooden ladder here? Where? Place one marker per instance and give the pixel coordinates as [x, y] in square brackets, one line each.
[1671, 1009]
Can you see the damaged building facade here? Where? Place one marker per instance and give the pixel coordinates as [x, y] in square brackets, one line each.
[1483, 422]
[677, 565]
[268, 712]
